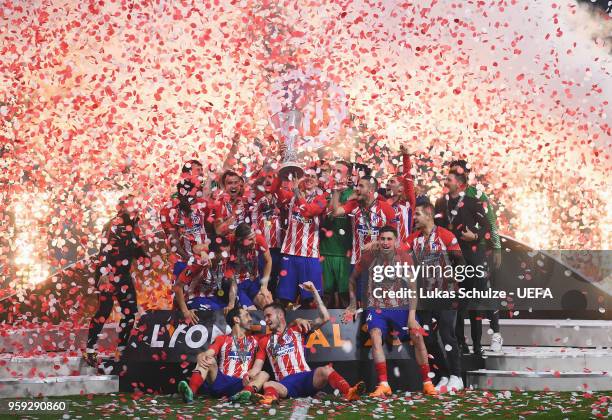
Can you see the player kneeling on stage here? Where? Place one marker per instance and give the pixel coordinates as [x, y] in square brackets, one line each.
[388, 311]
[284, 347]
[202, 285]
[226, 368]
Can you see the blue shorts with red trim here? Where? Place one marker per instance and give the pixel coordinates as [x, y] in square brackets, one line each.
[247, 290]
[299, 385]
[397, 319]
[298, 270]
[223, 386]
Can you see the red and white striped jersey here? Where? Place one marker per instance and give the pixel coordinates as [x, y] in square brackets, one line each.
[190, 228]
[235, 356]
[304, 218]
[285, 352]
[402, 219]
[266, 220]
[239, 209]
[203, 281]
[367, 223]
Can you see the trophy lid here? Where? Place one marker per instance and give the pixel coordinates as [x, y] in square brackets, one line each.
[288, 168]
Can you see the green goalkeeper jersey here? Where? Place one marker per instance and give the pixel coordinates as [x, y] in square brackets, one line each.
[341, 239]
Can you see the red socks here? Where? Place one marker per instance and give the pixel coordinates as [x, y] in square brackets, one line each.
[196, 381]
[336, 381]
[249, 388]
[425, 372]
[381, 370]
[270, 392]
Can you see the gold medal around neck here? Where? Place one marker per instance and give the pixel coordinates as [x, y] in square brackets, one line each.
[220, 293]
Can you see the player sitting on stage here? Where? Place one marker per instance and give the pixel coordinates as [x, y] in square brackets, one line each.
[226, 368]
[201, 286]
[284, 347]
[387, 312]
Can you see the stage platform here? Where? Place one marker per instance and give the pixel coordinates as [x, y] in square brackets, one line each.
[555, 355]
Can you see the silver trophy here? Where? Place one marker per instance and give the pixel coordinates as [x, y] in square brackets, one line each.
[290, 121]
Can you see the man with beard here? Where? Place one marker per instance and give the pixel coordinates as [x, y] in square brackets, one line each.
[284, 348]
[226, 368]
[403, 199]
[120, 246]
[232, 207]
[300, 252]
[246, 247]
[465, 217]
[434, 246]
[368, 212]
[389, 311]
[336, 242]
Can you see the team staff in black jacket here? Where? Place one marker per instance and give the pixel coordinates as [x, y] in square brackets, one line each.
[120, 246]
[466, 218]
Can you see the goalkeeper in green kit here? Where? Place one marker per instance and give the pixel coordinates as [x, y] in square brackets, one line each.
[336, 242]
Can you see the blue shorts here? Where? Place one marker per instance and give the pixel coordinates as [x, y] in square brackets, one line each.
[247, 290]
[211, 303]
[178, 268]
[397, 319]
[223, 386]
[298, 270]
[299, 385]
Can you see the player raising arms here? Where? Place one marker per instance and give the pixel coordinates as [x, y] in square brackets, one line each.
[300, 252]
[226, 368]
[388, 311]
[266, 219]
[369, 212]
[403, 200]
[284, 347]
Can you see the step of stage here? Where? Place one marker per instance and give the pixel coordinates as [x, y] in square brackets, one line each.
[58, 386]
[539, 359]
[549, 332]
[539, 381]
[41, 366]
[53, 339]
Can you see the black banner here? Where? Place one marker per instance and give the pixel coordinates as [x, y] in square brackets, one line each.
[162, 336]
